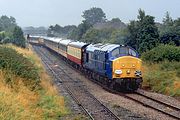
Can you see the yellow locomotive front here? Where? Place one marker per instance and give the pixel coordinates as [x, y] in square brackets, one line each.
[126, 69]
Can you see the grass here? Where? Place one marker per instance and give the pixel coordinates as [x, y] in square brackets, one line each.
[163, 77]
[17, 102]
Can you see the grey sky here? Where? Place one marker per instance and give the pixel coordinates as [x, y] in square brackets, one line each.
[64, 12]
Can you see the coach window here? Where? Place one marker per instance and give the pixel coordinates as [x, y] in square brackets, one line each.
[65, 48]
[87, 57]
[72, 51]
[75, 52]
[78, 54]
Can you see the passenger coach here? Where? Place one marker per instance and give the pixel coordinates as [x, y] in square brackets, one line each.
[75, 52]
[52, 43]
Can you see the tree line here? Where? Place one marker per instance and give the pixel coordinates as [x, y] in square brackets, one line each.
[10, 32]
[142, 34]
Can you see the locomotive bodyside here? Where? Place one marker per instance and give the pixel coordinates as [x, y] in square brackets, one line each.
[96, 58]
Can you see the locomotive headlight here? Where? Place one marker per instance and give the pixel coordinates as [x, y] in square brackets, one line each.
[128, 71]
[118, 72]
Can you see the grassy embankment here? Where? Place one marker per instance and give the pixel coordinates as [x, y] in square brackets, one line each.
[29, 93]
[161, 69]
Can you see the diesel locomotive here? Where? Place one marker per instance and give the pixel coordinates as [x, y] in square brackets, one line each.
[116, 66]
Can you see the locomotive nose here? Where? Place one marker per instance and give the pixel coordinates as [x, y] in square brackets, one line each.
[129, 66]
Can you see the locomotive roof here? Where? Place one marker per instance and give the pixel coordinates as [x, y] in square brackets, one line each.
[65, 42]
[77, 44]
[102, 47]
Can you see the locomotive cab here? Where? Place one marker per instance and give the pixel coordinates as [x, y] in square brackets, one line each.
[126, 68]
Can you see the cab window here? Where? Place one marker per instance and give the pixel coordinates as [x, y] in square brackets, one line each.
[115, 52]
[123, 51]
[132, 52]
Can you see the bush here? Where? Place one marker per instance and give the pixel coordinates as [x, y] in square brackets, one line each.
[162, 77]
[170, 66]
[16, 64]
[18, 37]
[162, 53]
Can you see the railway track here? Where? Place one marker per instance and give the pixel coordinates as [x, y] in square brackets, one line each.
[92, 107]
[159, 105]
[142, 93]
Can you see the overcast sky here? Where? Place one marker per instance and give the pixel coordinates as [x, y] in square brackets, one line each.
[48, 12]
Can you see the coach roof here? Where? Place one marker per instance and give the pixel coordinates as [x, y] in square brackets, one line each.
[53, 39]
[65, 42]
[77, 44]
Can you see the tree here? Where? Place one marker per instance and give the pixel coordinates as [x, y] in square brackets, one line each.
[7, 23]
[80, 31]
[132, 34]
[143, 33]
[91, 17]
[94, 15]
[141, 15]
[119, 36]
[168, 20]
[18, 38]
[2, 36]
[59, 31]
[115, 20]
[91, 36]
[148, 36]
[10, 32]
[170, 30]
[116, 36]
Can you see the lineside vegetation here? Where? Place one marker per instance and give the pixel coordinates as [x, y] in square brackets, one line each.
[162, 69]
[26, 90]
